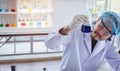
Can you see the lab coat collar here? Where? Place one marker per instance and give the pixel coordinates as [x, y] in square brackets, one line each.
[98, 47]
[87, 41]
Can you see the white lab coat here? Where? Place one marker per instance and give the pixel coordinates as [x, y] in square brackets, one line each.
[77, 55]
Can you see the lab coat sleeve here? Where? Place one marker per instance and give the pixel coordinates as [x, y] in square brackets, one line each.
[55, 40]
[113, 57]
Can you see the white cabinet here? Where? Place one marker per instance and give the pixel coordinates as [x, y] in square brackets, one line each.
[25, 16]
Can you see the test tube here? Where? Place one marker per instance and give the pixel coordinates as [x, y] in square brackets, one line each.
[23, 23]
[12, 6]
[2, 23]
[1, 8]
[6, 5]
[6, 22]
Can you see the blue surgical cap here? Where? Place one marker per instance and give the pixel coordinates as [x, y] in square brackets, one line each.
[113, 20]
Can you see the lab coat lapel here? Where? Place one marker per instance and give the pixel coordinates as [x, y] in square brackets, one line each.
[98, 47]
[87, 40]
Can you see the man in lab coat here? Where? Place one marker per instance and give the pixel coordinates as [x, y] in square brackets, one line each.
[85, 49]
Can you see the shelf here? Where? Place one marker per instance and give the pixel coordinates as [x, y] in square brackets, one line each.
[35, 12]
[31, 13]
[25, 31]
[7, 13]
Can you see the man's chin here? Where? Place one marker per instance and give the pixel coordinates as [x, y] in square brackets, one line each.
[96, 39]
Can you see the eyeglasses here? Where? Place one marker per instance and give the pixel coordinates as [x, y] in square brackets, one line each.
[108, 31]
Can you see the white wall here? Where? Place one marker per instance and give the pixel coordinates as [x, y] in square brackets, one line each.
[64, 11]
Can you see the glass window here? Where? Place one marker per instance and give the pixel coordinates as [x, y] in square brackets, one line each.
[99, 8]
[39, 47]
[7, 50]
[114, 5]
[100, 5]
[23, 47]
[96, 7]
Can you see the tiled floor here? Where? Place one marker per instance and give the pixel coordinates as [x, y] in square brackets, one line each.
[38, 66]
